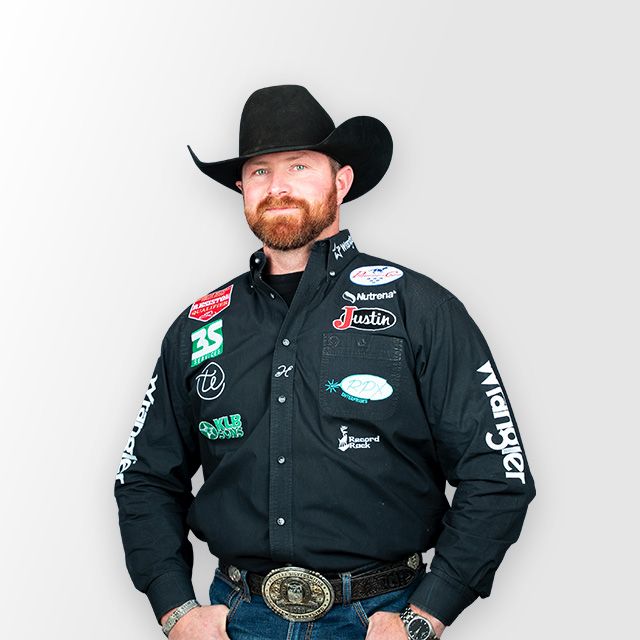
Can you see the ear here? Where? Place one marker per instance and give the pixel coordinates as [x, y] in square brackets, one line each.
[239, 185]
[344, 180]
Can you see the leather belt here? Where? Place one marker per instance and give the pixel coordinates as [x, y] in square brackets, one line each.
[375, 582]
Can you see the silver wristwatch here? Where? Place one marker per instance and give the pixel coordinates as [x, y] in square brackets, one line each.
[418, 628]
[177, 614]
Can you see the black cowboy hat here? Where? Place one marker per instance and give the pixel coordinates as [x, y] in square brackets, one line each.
[289, 118]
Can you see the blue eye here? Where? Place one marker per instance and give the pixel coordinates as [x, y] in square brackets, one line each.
[299, 167]
[260, 172]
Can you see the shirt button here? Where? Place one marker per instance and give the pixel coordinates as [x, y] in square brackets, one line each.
[332, 273]
[281, 460]
[282, 399]
[286, 342]
[273, 296]
[280, 521]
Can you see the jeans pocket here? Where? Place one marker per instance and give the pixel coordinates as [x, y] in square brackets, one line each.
[361, 614]
[222, 592]
[393, 602]
[233, 602]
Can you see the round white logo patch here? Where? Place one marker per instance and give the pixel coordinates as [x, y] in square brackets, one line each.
[366, 387]
[375, 275]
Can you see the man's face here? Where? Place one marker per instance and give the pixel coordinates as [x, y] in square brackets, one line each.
[290, 198]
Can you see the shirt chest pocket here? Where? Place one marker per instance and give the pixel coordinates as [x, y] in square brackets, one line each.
[360, 375]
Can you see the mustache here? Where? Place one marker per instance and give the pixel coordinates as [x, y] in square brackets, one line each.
[273, 202]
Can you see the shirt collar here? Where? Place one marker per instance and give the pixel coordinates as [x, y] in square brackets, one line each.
[338, 251]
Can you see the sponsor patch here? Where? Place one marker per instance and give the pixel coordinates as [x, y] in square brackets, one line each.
[127, 456]
[369, 296]
[210, 381]
[375, 275]
[340, 249]
[504, 438]
[361, 387]
[211, 305]
[346, 442]
[206, 342]
[223, 428]
[364, 319]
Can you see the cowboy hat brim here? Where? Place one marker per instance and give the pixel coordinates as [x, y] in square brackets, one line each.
[362, 142]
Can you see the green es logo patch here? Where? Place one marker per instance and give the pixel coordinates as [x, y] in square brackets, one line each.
[223, 428]
[206, 342]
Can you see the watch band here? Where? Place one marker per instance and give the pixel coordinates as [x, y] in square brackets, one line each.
[177, 614]
[408, 615]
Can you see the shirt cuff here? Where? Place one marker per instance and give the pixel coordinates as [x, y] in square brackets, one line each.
[168, 591]
[442, 597]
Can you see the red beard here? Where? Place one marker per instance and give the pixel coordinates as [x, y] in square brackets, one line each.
[285, 231]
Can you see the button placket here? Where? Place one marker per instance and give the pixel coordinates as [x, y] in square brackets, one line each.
[283, 374]
[281, 478]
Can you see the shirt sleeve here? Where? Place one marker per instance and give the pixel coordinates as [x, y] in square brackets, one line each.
[480, 451]
[153, 487]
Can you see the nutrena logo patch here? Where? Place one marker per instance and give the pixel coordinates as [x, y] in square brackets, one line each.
[211, 305]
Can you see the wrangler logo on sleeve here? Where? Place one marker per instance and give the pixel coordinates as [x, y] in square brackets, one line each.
[506, 440]
[127, 456]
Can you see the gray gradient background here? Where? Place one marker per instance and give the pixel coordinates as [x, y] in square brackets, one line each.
[514, 184]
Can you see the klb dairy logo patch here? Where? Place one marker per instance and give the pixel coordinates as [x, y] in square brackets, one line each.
[222, 428]
[209, 306]
[375, 275]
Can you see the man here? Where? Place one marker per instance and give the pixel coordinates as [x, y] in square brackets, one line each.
[328, 395]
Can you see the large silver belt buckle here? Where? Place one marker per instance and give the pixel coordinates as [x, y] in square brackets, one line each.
[297, 594]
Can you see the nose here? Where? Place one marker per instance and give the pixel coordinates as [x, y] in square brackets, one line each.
[279, 184]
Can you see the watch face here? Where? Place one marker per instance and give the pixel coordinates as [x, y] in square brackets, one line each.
[419, 629]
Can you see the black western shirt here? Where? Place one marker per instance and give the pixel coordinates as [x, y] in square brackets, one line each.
[326, 431]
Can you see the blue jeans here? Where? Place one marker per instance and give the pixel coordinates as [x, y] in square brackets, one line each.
[249, 618]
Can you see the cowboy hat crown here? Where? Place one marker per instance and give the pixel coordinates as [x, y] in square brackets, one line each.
[289, 118]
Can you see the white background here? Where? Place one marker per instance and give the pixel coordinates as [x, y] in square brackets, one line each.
[514, 184]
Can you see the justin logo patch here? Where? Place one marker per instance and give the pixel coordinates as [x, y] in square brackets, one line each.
[365, 319]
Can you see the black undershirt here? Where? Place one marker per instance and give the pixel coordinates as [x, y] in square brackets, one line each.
[285, 284]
